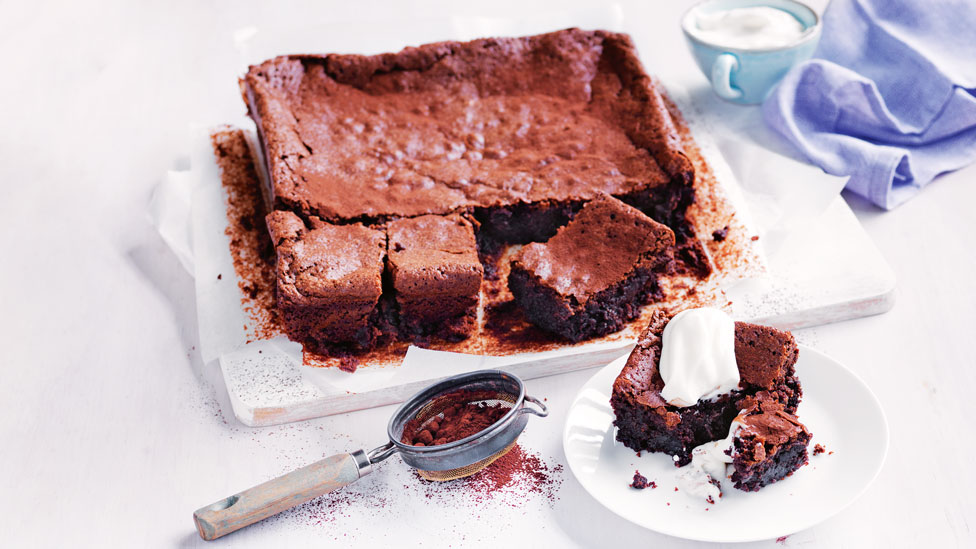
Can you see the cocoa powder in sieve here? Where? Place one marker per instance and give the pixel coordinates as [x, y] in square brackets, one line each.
[457, 421]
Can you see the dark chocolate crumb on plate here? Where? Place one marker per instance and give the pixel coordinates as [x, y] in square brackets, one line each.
[640, 482]
[720, 234]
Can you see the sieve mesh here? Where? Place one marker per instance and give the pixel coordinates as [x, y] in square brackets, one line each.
[435, 408]
[461, 472]
[467, 456]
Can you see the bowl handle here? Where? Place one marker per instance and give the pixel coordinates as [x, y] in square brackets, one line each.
[543, 411]
[722, 76]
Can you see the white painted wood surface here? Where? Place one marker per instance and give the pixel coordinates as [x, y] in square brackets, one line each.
[112, 425]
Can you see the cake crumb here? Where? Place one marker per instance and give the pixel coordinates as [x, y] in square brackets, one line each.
[720, 234]
[755, 238]
[781, 539]
[819, 449]
[220, 276]
[640, 482]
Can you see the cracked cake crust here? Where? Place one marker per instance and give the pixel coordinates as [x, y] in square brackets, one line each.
[543, 121]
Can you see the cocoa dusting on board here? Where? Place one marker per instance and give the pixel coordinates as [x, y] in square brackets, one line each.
[250, 245]
[713, 208]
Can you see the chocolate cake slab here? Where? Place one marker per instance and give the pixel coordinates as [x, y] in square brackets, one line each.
[436, 275]
[645, 422]
[770, 445]
[329, 280]
[595, 273]
[517, 131]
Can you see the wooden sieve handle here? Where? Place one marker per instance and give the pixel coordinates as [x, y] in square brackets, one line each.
[270, 498]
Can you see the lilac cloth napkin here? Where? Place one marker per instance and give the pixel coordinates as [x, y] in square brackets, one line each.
[888, 98]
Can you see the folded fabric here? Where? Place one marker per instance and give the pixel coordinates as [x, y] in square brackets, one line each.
[888, 98]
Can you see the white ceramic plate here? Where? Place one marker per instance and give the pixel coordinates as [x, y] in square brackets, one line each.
[837, 407]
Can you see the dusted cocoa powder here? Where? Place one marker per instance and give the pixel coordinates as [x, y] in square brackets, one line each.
[516, 465]
[250, 245]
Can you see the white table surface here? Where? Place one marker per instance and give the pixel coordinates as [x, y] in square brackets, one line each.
[112, 431]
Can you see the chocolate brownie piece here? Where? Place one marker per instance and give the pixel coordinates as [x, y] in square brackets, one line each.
[645, 422]
[329, 280]
[519, 132]
[770, 445]
[436, 275]
[595, 273]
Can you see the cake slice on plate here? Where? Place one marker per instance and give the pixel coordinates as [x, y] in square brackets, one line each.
[718, 394]
[652, 417]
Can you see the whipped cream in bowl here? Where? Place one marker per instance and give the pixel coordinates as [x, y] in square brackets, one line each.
[745, 25]
[758, 27]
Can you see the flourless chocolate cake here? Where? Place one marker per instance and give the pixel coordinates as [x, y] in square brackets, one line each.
[518, 131]
[645, 422]
[436, 275]
[516, 135]
[595, 273]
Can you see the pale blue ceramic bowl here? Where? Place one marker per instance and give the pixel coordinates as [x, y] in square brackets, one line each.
[747, 75]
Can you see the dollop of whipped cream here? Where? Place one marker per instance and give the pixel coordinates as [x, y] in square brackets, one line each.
[698, 357]
[758, 27]
[709, 467]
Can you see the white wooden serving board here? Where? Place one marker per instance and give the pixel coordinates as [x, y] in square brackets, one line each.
[826, 270]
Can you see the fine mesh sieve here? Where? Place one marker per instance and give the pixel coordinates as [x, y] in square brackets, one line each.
[441, 462]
